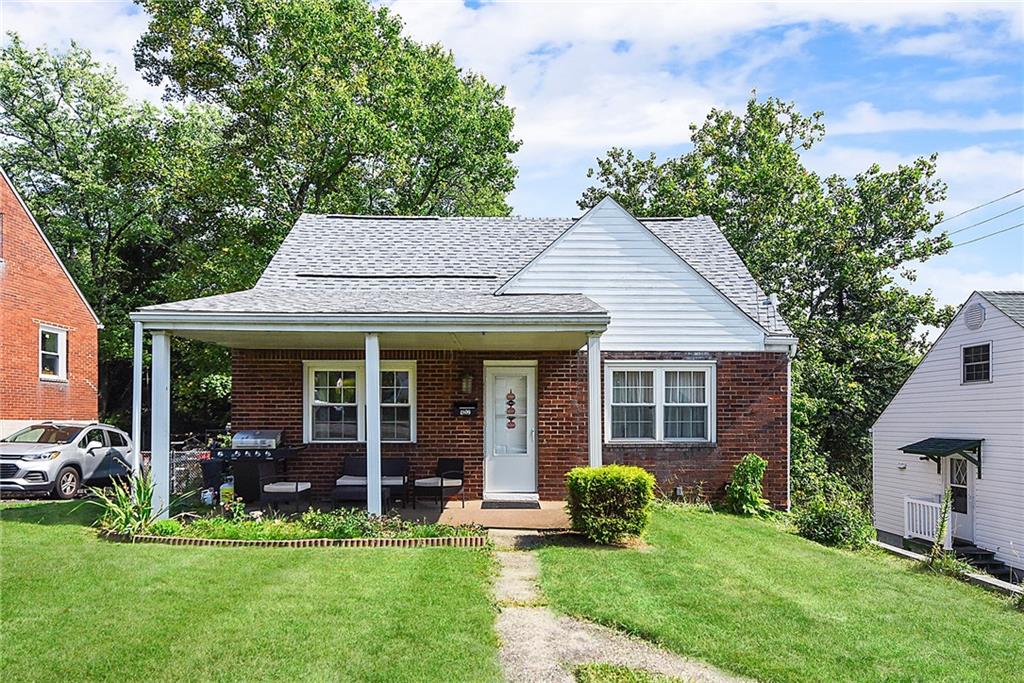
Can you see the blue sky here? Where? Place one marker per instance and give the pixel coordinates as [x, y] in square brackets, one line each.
[895, 80]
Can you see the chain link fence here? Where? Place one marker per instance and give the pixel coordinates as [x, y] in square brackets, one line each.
[186, 468]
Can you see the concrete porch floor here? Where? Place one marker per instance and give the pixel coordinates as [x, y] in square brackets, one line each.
[551, 515]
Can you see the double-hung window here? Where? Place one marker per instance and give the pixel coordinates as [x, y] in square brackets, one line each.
[633, 404]
[336, 415]
[659, 402]
[335, 403]
[53, 347]
[395, 405]
[977, 363]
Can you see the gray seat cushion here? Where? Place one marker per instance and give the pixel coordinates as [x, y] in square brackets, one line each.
[434, 482]
[350, 480]
[287, 487]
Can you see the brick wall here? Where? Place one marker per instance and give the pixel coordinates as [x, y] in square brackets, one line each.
[267, 394]
[751, 416]
[34, 290]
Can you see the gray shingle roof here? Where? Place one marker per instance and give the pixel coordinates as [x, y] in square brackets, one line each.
[392, 301]
[383, 264]
[1010, 303]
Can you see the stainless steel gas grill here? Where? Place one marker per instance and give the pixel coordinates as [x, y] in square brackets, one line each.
[255, 455]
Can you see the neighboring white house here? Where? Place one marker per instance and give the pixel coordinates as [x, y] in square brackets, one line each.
[958, 422]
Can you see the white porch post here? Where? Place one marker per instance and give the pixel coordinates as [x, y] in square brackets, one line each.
[160, 447]
[137, 400]
[373, 502]
[594, 399]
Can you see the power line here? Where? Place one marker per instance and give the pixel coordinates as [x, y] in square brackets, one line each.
[979, 206]
[987, 220]
[991, 234]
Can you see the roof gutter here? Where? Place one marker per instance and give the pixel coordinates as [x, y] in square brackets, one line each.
[788, 343]
[390, 322]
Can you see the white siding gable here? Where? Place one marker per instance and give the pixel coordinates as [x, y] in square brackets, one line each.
[935, 402]
[656, 301]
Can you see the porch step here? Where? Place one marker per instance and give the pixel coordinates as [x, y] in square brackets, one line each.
[972, 551]
[985, 560]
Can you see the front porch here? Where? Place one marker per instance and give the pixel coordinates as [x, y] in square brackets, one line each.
[549, 515]
[411, 388]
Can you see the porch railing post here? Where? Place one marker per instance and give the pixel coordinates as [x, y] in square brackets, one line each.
[137, 399]
[594, 400]
[373, 497]
[160, 448]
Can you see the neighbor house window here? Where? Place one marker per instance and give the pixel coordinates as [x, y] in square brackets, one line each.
[53, 346]
[977, 363]
[659, 402]
[335, 408]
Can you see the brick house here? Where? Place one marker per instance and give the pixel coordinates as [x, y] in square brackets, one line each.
[485, 339]
[48, 331]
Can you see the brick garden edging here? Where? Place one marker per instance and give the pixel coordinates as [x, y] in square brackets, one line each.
[432, 542]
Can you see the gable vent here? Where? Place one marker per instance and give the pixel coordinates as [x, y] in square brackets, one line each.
[974, 316]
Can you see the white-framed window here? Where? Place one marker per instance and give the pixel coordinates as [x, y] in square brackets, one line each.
[977, 363]
[334, 406]
[655, 401]
[53, 353]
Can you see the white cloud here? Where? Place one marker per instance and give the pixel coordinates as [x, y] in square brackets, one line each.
[974, 174]
[953, 284]
[948, 44]
[970, 89]
[107, 29]
[865, 117]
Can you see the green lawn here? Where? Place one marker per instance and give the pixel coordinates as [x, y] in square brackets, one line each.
[75, 607]
[750, 598]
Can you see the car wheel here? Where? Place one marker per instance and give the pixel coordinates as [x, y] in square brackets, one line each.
[68, 482]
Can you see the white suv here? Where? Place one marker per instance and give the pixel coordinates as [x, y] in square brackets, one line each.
[57, 457]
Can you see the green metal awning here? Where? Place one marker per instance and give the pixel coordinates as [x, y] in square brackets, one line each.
[937, 448]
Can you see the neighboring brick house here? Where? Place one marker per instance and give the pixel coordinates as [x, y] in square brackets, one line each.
[516, 320]
[48, 331]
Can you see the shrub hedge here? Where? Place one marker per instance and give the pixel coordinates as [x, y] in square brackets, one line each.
[611, 502]
[838, 518]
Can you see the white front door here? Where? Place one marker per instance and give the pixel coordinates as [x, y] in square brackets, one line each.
[510, 438]
[961, 482]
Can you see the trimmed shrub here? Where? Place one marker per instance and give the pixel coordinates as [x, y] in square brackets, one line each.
[611, 502]
[837, 519]
[743, 492]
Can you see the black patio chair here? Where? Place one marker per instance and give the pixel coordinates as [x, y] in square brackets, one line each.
[351, 485]
[394, 478]
[447, 481]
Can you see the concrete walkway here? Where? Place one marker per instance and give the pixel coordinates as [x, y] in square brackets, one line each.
[539, 645]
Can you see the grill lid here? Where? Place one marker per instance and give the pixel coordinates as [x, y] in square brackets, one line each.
[256, 438]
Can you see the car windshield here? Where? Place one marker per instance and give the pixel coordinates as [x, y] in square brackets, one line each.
[44, 434]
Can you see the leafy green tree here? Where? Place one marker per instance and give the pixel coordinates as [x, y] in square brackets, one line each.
[831, 248]
[135, 198]
[333, 109]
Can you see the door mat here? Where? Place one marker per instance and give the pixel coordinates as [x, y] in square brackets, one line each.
[510, 505]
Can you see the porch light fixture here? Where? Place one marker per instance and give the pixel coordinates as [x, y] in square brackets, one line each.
[467, 383]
